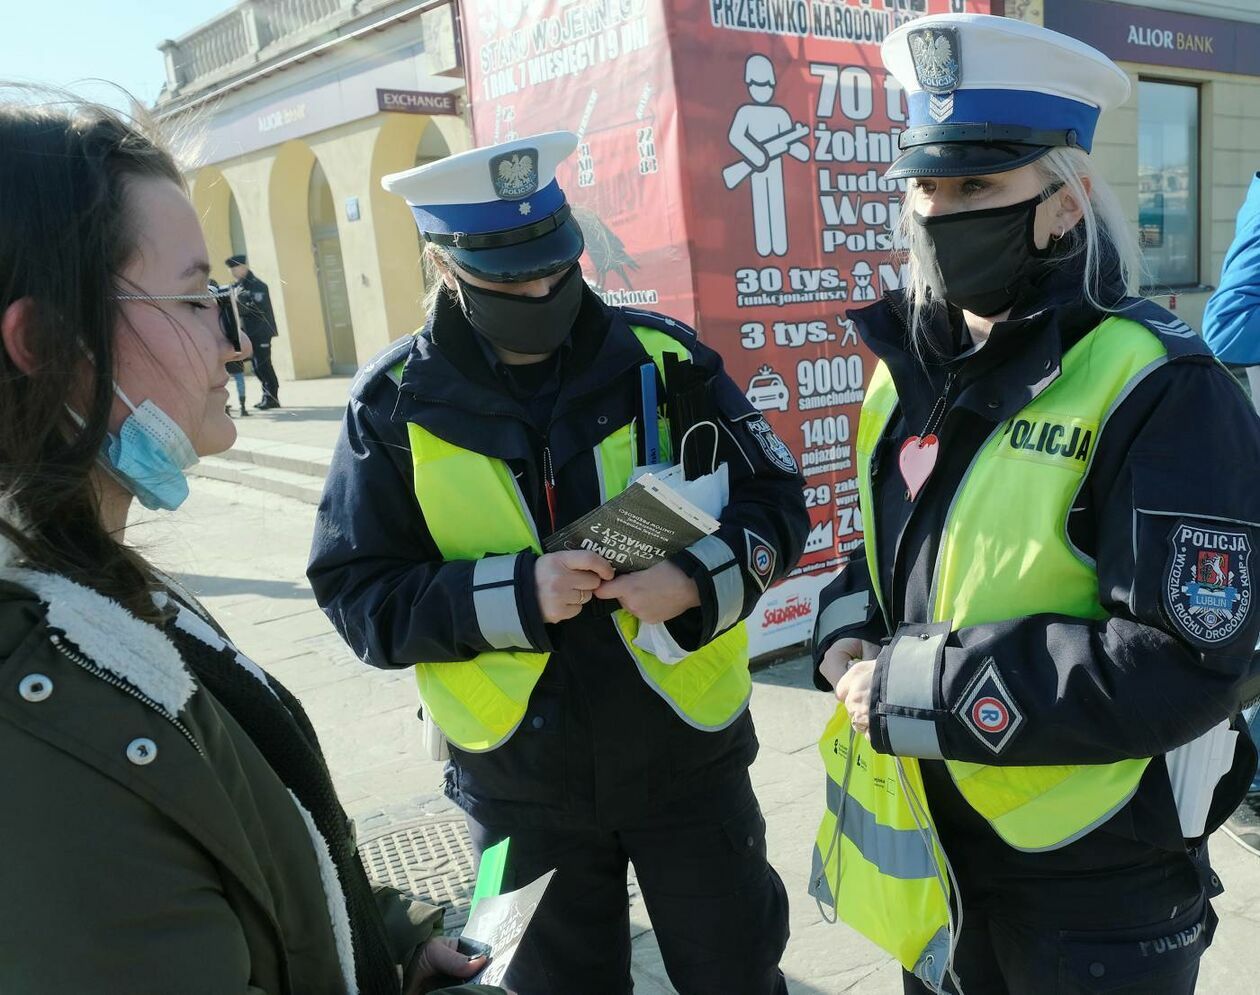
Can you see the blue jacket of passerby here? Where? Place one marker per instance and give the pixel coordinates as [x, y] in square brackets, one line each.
[1231, 321]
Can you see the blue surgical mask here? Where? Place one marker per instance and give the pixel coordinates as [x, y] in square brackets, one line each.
[149, 455]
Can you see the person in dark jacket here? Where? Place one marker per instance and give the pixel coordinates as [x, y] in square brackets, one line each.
[230, 322]
[1231, 327]
[1053, 612]
[259, 321]
[169, 822]
[513, 413]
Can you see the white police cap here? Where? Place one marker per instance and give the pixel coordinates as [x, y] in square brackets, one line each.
[986, 94]
[498, 210]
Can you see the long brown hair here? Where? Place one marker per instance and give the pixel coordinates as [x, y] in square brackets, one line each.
[65, 237]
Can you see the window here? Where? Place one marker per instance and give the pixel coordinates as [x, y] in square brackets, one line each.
[1168, 182]
[236, 230]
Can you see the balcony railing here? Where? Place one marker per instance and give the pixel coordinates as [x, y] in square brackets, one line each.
[251, 32]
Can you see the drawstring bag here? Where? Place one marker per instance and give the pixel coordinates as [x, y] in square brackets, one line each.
[877, 860]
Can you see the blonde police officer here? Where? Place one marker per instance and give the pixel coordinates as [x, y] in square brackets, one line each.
[507, 416]
[1055, 594]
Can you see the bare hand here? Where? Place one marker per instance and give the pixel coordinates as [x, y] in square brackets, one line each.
[843, 652]
[654, 595]
[854, 693]
[566, 581]
[439, 958]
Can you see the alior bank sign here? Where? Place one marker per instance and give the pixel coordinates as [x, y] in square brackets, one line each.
[1163, 38]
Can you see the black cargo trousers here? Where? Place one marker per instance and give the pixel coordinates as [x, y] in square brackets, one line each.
[718, 908]
[1139, 931]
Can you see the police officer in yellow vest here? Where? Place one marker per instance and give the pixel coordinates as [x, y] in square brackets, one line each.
[513, 412]
[1038, 651]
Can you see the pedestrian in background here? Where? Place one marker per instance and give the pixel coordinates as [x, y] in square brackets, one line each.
[1231, 326]
[511, 414]
[168, 820]
[230, 321]
[259, 321]
[1040, 650]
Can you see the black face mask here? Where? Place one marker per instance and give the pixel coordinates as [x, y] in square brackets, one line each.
[986, 257]
[532, 326]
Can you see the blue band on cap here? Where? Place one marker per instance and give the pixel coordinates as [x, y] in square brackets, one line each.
[1029, 108]
[491, 216]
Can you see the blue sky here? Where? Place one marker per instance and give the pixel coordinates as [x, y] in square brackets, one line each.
[65, 41]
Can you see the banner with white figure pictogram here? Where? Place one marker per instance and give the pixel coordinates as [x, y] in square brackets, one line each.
[730, 174]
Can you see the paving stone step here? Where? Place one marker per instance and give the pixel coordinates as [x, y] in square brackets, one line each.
[304, 487]
[296, 458]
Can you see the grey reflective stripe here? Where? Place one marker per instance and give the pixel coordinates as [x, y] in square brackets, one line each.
[599, 475]
[842, 613]
[898, 853]
[490, 570]
[933, 962]
[494, 601]
[912, 671]
[912, 737]
[728, 579]
[728, 587]
[712, 552]
[819, 886]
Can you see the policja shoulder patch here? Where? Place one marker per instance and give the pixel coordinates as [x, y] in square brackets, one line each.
[774, 448]
[988, 710]
[1207, 582]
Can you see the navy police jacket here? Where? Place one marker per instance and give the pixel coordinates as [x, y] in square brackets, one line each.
[1182, 448]
[595, 734]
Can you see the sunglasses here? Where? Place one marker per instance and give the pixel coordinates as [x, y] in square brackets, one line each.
[215, 294]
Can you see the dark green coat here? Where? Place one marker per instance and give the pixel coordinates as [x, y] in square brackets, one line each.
[132, 861]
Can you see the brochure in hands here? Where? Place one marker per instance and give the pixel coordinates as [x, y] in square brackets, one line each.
[645, 524]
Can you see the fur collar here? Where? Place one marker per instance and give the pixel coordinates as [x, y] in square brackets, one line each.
[117, 641]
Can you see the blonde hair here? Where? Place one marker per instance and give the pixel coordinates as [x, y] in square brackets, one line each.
[1104, 236]
[434, 262]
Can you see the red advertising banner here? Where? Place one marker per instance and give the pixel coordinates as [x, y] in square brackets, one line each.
[730, 173]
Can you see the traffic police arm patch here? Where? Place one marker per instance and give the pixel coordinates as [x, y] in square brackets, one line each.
[988, 709]
[760, 557]
[1207, 582]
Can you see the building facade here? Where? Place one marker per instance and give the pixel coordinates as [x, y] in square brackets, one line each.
[1183, 150]
[290, 112]
[296, 108]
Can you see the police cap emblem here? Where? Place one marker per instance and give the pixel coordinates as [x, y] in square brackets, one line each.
[515, 174]
[1207, 583]
[937, 57]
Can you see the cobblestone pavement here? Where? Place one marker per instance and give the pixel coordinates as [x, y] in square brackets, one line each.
[244, 552]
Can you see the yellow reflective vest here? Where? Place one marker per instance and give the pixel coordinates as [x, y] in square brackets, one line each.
[474, 510]
[1005, 553]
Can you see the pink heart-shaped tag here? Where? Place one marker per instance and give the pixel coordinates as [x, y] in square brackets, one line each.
[917, 460]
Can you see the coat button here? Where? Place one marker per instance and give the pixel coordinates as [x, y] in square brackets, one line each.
[991, 404]
[537, 722]
[142, 751]
[601, 420]
[1096, 970]
[35, 687]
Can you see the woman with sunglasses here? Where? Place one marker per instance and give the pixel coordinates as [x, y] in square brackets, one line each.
[168, 821]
